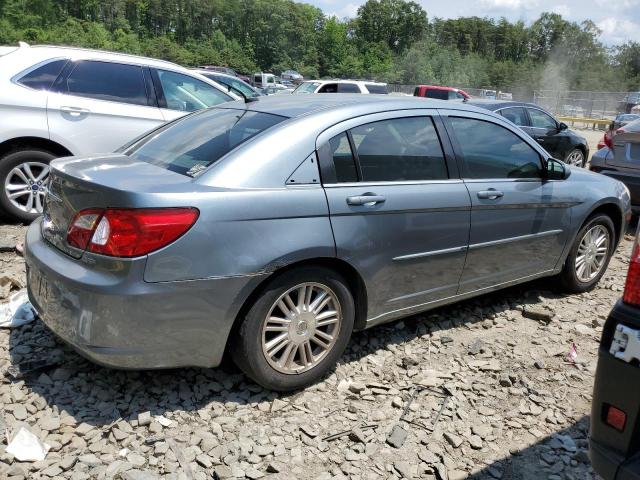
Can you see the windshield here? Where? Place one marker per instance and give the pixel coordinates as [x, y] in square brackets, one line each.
[307, 87]
[235, 83]
[192, 144]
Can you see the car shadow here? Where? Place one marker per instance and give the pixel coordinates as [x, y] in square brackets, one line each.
[100, 396]
[561, 455]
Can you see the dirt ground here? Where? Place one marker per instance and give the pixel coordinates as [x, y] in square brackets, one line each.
[487, 393]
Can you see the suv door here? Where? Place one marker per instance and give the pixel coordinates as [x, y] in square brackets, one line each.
[519, 220]
[545, 130]
[399, 213]
[99, 106]
[179, 94]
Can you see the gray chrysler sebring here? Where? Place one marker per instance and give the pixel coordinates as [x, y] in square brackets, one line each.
[273, 229]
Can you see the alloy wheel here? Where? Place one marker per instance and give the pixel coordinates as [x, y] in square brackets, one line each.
[302, 326]
[592, 253]
[576, 158]
[25, 186]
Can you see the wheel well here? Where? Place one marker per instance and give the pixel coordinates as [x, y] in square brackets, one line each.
[354, 282]
[615, 214]
[33, 142]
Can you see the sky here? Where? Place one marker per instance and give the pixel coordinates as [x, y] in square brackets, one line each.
[619, 20]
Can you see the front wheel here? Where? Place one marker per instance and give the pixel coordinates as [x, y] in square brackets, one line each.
[23, 178]
[575, 158]
[296, 330]
[589, 255]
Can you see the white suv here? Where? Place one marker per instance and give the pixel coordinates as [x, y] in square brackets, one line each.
[56, 102]
[341, 86]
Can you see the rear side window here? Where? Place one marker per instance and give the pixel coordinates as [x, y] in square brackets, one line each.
[348, 88]
[343, 158]
[516, 115]
[115, 82]
[439, 94]
[492, 151]
[373, 88]
[43, 77]
[399, 149]
[192, 144]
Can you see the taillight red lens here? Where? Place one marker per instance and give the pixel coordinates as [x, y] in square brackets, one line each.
[616, 417]
[607, 139]
[136, 232]
[632, 286]
[82, 226]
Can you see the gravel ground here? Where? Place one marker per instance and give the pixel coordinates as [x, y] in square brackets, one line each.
[512, 406]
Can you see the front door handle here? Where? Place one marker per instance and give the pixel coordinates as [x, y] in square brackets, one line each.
[368, 199]
[490, 194]
[540, 139]
[74, 111]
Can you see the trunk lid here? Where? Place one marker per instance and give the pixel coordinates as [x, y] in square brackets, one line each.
[114, 180]
[626, 149]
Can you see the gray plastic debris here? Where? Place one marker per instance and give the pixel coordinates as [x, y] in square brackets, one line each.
[26, 447]
[17, 311]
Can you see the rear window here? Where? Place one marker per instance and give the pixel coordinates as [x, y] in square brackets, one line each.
[192, 144]
[373, 88]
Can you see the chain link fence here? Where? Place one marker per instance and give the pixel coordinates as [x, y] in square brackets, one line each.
[572, 103]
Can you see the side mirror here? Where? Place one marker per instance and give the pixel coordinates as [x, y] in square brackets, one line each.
[557, 170]
[562, 126]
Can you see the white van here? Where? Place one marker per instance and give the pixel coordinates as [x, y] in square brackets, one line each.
[263, 80]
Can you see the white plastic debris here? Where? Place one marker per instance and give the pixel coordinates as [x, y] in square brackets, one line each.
[26, 447]
[164, 421]
[17, 311]
[123, 452]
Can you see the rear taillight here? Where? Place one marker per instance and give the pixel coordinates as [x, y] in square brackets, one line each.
[129, 232]
[632, 286]
[607, 138]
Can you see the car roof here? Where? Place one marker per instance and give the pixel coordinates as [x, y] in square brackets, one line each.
[298, 105]
[51, 51]
[490, 104]
[338, 80]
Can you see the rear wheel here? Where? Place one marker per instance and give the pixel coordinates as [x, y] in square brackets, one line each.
[589, 255]
[296, 330]
[575, 157]
[23, 177]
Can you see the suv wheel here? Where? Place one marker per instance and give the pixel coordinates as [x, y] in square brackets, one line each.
[23, 177]
[296, 330]
[589, 255]
[575, 157]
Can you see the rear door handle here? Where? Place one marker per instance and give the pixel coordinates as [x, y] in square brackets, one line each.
[367, 199]
[540, 139]
[490, 194]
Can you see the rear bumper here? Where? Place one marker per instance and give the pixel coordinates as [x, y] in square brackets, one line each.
[114, 318]
[614, 453]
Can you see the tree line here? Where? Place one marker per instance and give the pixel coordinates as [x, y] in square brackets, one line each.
[388, 40]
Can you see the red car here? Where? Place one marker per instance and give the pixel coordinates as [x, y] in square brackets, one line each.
[441, 93]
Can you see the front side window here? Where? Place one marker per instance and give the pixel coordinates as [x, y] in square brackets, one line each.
[42, 78]
[539, 119]
[114, 82]
[492, 151]
[192, 144]
[375, 88]
[188, 94]
[329, 88]
[348, 88]
[516, 115]
[400, 149]
[438, 94]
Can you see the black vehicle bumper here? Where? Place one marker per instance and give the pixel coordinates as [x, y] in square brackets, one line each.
[615, 454]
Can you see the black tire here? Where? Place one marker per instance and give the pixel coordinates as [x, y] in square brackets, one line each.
[246, 344]
[7, 163]
[568, 279]
[575, 151]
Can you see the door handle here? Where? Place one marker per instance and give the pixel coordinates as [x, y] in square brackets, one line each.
[368, 199]
[540, 139]
[490, 194]
[74, 111]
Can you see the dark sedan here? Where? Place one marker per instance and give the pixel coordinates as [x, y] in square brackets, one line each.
[554, 136]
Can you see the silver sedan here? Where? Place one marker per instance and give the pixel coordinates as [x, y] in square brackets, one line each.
[273, 229]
